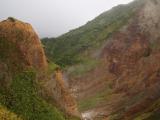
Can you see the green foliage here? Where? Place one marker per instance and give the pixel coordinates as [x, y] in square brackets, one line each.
[83, 67]
[12, 19]
[23, 100]
[52, 67]
[90, 103]
[5, 114]
[72, 47]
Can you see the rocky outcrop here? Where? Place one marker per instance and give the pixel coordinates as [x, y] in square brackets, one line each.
[132, 51]
[20, 50]
[19, 41]
[7, 115]
[132, 56]
[63, 96]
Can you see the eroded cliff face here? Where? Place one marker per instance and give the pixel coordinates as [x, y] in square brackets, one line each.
[129, 71]
[133, 57]
[20, 43]
[55, 89]
[63, 95]
[133, 50]
[21, 50]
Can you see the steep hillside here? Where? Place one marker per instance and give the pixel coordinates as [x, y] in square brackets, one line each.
[127, 81]
[72, 47]
[114, 77]
[25, 77]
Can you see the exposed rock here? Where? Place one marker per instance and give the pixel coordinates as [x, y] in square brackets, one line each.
[65, 98]
[19, 42]
[20, 49]
[130, 61]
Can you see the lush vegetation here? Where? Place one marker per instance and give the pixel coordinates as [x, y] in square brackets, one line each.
[5, 114]
[22, 99]
[72, 47]
[83, 67]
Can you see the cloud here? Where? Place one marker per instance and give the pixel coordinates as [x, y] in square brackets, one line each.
[52, 18]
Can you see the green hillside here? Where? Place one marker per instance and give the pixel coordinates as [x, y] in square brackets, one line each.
[72, 47]
[22, 99]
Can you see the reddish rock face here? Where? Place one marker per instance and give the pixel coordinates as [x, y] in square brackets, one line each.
[133, 57]
[19, 41]
[124, 52]
[65, 99]
[130, 54]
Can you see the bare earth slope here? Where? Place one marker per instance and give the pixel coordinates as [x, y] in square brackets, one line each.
[125, 85]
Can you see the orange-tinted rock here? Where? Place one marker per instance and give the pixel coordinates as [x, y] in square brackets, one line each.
[20, 45]
[65, 99]
[20, 49]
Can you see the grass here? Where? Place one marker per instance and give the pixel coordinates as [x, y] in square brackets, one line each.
[82, 68]
[5, 114]
[23, 100]
[52, 67]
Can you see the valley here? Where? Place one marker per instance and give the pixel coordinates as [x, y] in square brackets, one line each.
[107, 69]
[111, 63]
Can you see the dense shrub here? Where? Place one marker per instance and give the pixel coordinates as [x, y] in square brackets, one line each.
[23, 100]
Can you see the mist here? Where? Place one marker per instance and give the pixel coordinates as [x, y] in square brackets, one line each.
[51, 18]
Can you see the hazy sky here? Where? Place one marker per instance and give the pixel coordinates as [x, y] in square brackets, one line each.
[52, 18]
